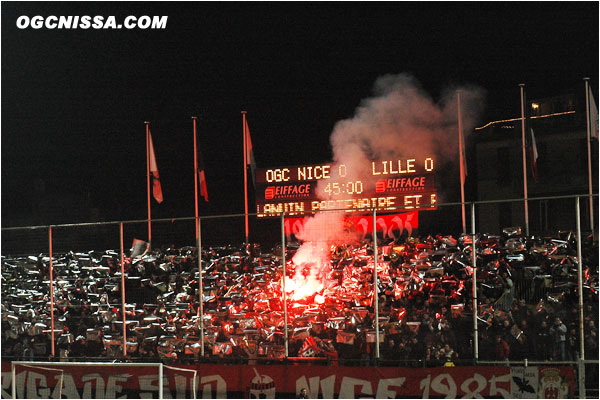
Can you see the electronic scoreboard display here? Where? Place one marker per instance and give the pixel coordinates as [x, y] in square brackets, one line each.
[390, 185]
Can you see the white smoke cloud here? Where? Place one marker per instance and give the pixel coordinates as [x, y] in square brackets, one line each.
[401, 121]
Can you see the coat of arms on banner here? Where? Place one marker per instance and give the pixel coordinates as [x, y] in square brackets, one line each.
[552, 384]
[262, 387]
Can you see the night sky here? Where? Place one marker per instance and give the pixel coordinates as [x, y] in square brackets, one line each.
[74, 102]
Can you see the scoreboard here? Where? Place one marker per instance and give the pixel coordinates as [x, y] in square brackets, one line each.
[389, 185]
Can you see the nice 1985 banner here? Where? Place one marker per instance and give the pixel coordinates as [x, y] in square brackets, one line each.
[271, 381]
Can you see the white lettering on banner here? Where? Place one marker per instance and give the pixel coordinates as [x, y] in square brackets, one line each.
[312, 386]
[219, 384]
[297, 228]
[408, 225]
[457, 382]
[21, 388]
[69, 390]
[113, 387]
[88, 386]
[390, 226]
[383, 388]
[401, 226]
[436, 384]
[165, 384]
[384, 230]
[6, 383]
[364, 224]
[496, 391]
[147, 389]
[448, 388]
[424, 386]
[37, 386]
[347, 387]
[473, 394]
[180, 386]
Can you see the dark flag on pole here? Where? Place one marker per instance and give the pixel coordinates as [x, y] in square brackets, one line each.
[533, 154]
[156, 188]
[201, 176]
[593, 116]
[250, 155]
[530, 141]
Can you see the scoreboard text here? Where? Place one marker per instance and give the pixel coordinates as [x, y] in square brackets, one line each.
[393, 185]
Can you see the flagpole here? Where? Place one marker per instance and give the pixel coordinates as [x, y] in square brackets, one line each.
[148, 179]
[51, 291]
[123, 307]
[475, 308]
[245, 174]
[195, 175]
[522, 86]
[283, 261]
[375, 295]
[200, 286]
[589, 150]
[462, 167]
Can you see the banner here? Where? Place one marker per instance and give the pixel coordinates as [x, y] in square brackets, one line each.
[270, 381]
[391, 225]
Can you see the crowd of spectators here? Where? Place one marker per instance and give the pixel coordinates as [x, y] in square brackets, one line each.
[526, 286]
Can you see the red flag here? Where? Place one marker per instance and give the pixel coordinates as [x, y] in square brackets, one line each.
[156, 188]
[533, 153]
[250, 154]
[201, 177]
[309, 348]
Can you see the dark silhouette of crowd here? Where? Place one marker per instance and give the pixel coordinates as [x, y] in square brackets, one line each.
[527, 303]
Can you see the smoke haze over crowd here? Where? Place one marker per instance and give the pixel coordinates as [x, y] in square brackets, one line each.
[402, 121]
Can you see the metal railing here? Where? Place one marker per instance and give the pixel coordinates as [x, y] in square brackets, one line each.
[112, 235]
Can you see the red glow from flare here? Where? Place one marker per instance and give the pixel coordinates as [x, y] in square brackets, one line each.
[311, 263]
[301, 289]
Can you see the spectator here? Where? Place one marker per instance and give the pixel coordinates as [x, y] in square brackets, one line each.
[529, 339]
[591, 353]
[558, 333]
[502, 349]
[435, 309]
[505, 301]
[416, 350]
[426, 328]
[573, 345]
[302, 394]
[28, 354]
[543, 338]
[447, 354]
[591, 345]
[390, 350]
